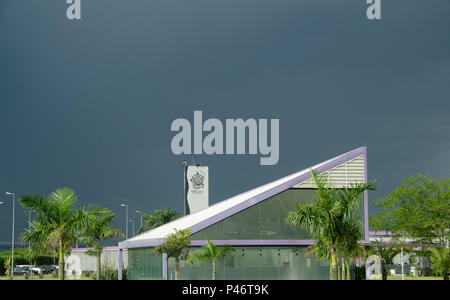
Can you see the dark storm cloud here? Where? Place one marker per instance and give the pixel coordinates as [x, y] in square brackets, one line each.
[88, 104]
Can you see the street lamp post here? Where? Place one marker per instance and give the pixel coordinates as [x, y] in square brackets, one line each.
[140, 212]
[126, 229]
[184, 184]
[12, 239]
[29, 228]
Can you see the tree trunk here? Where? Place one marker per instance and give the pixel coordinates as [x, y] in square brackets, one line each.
[61, 262]
[334, 266]
[214, 271]
[446, 275]
[99, 264]
[343, 270]
[348, 271]
[383, 271]
[177, 269]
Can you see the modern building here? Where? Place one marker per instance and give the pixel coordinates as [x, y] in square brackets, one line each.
[254, 224]
[82, 260]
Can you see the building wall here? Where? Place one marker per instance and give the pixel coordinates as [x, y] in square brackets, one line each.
[246, 263]
[80, 259]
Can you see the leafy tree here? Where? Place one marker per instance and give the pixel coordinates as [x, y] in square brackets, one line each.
[175, 247]
[97, 227]
[158, 218]
[211, 253]
[325, 217]
[420, 208]
[56, 222]
[440, 257]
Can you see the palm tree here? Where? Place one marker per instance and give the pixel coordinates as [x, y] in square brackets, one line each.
[440, 257]
[330, 209]
[386, 253]
[55, 224]
[175, 247]
[211, 253]
[96, 227]
[347, 245]
[158, 218]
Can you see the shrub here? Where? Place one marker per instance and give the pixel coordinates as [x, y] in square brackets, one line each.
[87, 274]
[360, 273]
[109, 273]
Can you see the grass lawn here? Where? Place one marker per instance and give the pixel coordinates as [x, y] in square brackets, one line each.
[46, 277]
[414, 278]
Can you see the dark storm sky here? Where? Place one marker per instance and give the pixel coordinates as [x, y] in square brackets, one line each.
[88, 104]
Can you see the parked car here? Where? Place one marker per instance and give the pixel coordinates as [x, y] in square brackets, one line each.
[21, 270]
[46, 269]
[36, 270]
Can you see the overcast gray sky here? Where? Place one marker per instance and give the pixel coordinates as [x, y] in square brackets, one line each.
[88, 104]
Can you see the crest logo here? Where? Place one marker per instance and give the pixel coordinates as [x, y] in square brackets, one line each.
[197, 181]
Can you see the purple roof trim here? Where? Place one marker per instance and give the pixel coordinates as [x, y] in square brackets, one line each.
[332, 163]
[91, 249]
[377, 233]
[255, 242]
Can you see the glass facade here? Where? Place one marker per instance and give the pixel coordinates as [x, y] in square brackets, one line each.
[144, 264]
[257, 263]
[265, 220]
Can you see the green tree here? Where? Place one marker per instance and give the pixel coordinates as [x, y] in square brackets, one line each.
[96, 228]
[158, 218]
[211, 253]
[56, 223]
[440, 257]
[419, 208]
[175, 247]
[326, 215]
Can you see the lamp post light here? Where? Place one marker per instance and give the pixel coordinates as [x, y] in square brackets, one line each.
[184, 184]
[29, 227]
[126, 207]
[132, 221]
[140, 212]
[12, 239]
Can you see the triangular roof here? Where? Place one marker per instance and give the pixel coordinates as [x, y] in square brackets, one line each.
[222, 210]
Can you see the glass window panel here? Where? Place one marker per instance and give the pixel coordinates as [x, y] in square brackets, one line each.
[144, 264]
[257, 263]
[265, 220]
